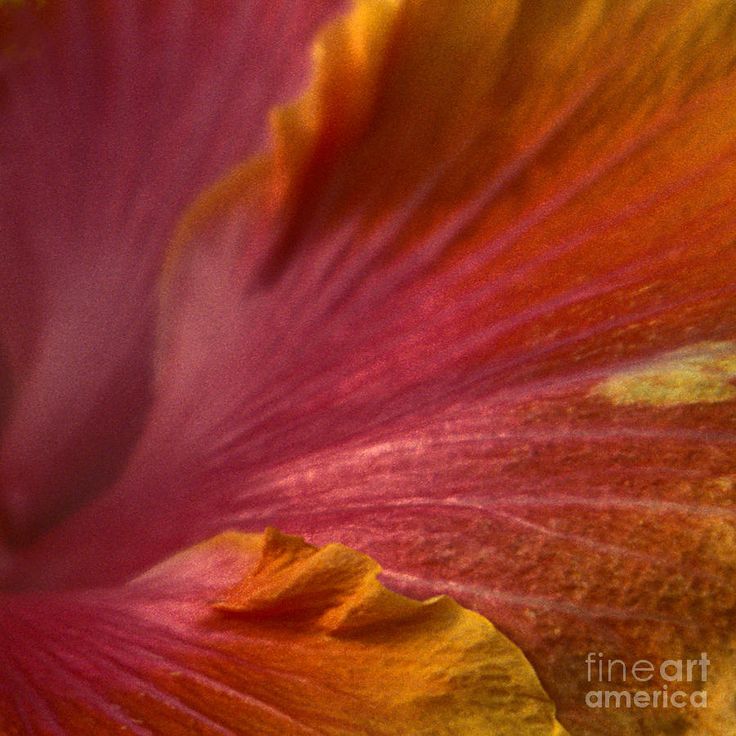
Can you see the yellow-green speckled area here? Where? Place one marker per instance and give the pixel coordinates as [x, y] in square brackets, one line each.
[702, 373]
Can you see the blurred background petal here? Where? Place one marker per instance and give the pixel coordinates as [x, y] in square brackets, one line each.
[115, 115]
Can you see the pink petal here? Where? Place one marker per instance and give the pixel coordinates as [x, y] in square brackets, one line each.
[114, 118]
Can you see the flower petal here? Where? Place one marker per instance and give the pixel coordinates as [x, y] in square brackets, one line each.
[114, 117]
[576, 524]
[297, 641]
[486, 332]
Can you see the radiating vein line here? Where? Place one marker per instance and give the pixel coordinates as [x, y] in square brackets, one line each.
[528, 601]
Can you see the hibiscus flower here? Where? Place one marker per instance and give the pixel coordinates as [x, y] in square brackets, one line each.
[455, 292]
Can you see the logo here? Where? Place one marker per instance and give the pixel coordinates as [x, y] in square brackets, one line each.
[668, 675]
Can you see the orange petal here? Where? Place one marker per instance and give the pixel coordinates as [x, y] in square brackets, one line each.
[298, 640]
[414, 224]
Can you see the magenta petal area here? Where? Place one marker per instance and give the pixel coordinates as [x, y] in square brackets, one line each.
[115, 115]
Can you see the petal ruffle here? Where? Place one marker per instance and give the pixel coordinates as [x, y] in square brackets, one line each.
[115, 116]
[262, 634]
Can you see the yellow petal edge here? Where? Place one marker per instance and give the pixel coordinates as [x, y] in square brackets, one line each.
[348, 56]
[422, 668]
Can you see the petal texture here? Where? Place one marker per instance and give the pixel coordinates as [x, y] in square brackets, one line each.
[257, 635]
[484, 329]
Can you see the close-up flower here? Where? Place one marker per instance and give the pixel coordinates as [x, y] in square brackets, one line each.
[368, 368]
